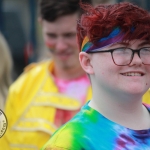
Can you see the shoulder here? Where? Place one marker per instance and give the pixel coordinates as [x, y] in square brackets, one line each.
[34, 69]
[72, 135]
[36, 66]
[32, 73]
[67, 137]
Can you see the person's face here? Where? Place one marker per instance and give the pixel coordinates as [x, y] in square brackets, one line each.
[60, 38]
[133, 78]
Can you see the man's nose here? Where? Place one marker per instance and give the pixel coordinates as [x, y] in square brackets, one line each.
[61, 44]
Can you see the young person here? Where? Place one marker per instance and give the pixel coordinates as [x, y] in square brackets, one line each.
[115, 52]
[48, 93]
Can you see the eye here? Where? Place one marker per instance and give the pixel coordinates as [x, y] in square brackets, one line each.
[119, 50]
[145, 51]
[70, 35]
[122, 51]
[146, 48]
[51, 35]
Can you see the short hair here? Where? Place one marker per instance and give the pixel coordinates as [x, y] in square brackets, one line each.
[99, 22]
[50, 10]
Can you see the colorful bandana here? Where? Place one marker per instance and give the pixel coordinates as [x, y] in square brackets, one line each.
[114, 37]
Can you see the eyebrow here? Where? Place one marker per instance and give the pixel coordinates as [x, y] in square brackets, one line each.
[127, 44]
[143, 43]
[121, 43]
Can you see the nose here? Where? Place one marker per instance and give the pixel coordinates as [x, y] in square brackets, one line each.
[61, 44]
[136, 60]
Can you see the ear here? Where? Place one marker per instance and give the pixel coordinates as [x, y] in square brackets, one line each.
[85, 61]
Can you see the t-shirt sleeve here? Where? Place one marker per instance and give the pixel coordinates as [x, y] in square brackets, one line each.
[64, 139]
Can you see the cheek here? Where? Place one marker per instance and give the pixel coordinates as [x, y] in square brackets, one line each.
[104, 66]
[49, 43]
[148, 75]
[72, 42]
[148, 68]
[105, 75]
[108, 72]
[74, 46]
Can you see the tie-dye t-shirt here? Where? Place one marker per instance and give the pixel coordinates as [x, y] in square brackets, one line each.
[89, 130]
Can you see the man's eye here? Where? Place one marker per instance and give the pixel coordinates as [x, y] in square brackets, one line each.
[70, 35]
[51, 35]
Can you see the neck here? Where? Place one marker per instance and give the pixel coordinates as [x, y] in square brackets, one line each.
[68, 73]
[126, 110]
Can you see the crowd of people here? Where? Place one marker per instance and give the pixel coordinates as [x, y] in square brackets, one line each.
[93, 91]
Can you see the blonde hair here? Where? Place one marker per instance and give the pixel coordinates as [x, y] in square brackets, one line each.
[5, 70]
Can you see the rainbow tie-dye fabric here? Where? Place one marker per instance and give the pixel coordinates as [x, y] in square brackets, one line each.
[89, 130]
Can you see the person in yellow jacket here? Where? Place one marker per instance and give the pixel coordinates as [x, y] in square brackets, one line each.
[146, 97]
[48, 93]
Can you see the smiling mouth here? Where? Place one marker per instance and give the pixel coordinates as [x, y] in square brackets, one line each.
[132, 74]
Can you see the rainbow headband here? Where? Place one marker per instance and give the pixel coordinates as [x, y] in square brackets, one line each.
[114, 37]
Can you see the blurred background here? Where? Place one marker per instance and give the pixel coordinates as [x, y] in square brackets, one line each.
[19, 25]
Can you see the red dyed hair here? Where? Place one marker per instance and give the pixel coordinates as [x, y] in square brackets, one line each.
[98, 22]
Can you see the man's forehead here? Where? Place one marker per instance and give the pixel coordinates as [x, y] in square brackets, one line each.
[64, 23]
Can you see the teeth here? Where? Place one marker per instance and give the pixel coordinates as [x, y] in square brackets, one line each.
[132, 74]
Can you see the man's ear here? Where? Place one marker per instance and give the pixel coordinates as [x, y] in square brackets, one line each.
[85, 61]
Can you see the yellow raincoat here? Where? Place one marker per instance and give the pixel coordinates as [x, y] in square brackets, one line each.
[31, 107]
[146, 97]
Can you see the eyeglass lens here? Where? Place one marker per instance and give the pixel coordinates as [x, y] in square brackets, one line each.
[124, 56]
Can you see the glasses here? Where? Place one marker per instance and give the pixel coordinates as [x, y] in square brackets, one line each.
[123, 56]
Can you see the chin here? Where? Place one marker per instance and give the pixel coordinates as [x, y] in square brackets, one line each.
[67, 65]
[136, 91]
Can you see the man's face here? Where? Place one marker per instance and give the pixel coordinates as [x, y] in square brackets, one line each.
[60, 38]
